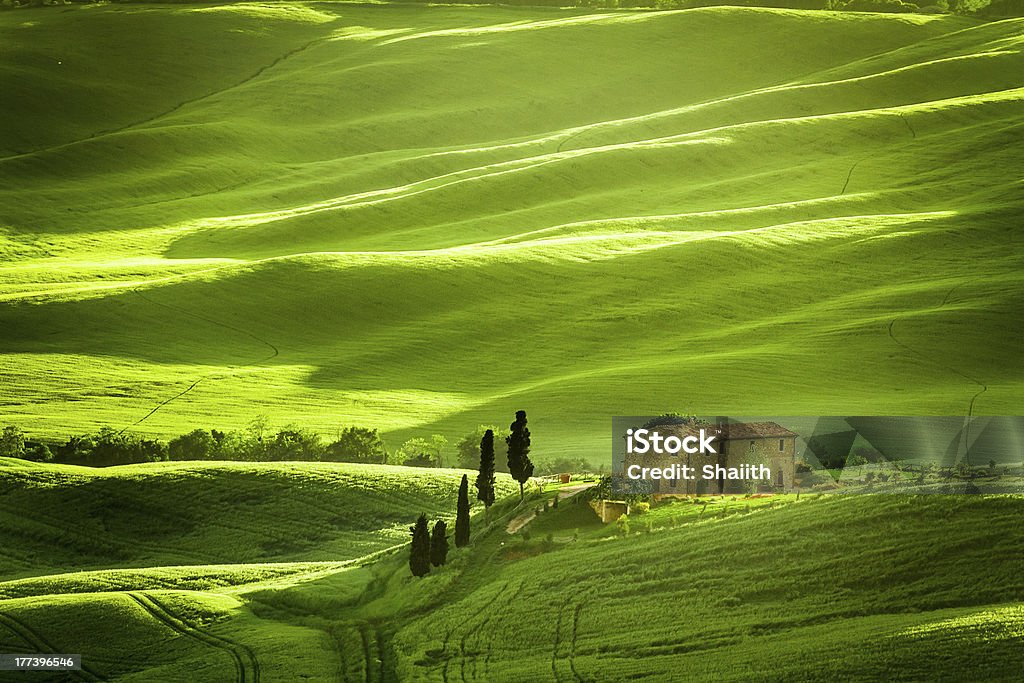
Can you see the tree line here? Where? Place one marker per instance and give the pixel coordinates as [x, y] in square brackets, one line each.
[257, 443]
[429, 548]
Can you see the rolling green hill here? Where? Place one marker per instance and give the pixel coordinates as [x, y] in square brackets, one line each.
[56, 519]
[424, 218]
[857, 587]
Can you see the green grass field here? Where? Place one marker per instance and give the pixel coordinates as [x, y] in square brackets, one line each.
[424, 218]
[163, 561]
[67, 518]
[861, 588]
[825, 587]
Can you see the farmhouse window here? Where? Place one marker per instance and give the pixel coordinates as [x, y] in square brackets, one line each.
[782, 444]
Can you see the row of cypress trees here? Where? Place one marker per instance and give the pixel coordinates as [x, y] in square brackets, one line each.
[430, 548]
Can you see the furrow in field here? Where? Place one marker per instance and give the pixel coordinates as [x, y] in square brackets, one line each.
[247, 668]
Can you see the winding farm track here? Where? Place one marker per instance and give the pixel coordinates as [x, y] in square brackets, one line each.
[41, 645]
[274, 353]
[524, 518]
[247, 667]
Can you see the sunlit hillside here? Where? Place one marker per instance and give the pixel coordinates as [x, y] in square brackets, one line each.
[424, 218]
[826, 587]
[59, 518]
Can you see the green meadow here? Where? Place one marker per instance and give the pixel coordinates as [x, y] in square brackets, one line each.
[421, 219]
[824, 587]
[424, 218]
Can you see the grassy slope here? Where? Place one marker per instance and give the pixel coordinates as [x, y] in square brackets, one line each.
[174, 551]
[349, 218]
[58, 519]
[825, 585]
[864, 587]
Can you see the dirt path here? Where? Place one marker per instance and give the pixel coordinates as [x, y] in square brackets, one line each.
[525, 517]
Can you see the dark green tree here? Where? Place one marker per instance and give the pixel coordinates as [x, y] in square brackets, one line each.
[419, 551]
[439, 543]
[198, 444]
[462, 515]
[293, 443]
[485, 477]
[518, 440]
[12, 443]
[357, 444]
[38, 452]
[468, 447]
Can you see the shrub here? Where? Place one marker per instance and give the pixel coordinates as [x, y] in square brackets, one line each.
[622, 524]
[357, 444]
[12, 443]
[38, 452]
[642, 508]
[198, 444]
[468, 448]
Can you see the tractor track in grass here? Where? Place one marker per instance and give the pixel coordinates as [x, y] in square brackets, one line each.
[558, 642]
[381, 644]
[168, 112]
[974, 398]
[274, 353]
[247, 667]
[515, 595]
[366, 653]
[572, 647]
[447, 658]
[30, 636]
[463, 656]
[54, 523]
[373, 641]
[945, 301]
[480, 629]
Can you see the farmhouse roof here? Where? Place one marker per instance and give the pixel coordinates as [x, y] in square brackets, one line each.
[732, 431]
[754, 430]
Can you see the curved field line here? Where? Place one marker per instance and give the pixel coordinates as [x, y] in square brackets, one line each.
[512, 598]
[180, 105]
[481, 628]
[558, 641]
[367, 652]
[274, 352]
[380, 642]
[447, 659]
[572, 649]
[30, 636]
[247, 667]
[56, 524]
[463, 656]
[950, 368]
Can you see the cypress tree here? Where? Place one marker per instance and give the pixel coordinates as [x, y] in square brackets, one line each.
[518, 440]
[462, 515]
[485, 478]
[419, 551]
[439, 543]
